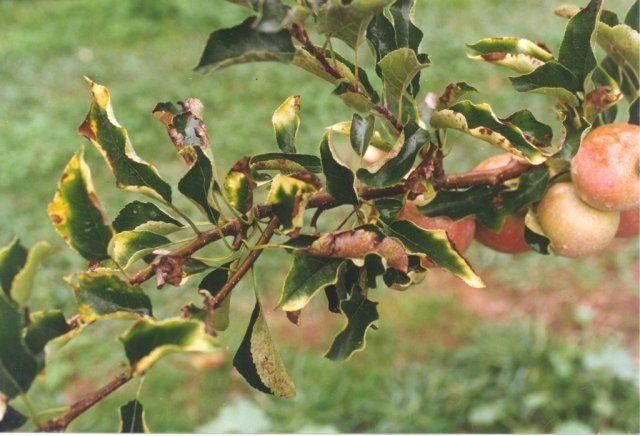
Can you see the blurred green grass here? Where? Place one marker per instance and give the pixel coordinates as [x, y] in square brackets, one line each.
[144, 52]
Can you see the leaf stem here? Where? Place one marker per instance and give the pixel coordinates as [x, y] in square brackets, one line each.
[33, 412]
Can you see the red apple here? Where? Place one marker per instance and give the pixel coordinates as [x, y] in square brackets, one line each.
[509, 239]
[606, 169]
[460, 233]
[574, 228]
[629, 224]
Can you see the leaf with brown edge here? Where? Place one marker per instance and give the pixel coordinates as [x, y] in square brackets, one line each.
[76, 212]
[356, 244]
[148, 340]
[111, 139]
[435, 245]
[184, 126]
[239, 186]
[288, 198]
[258, 361]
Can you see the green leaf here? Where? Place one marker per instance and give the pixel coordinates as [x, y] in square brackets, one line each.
[407, 34]
[45, 326]
[550, 79]
[132, 418]
[242, 44]
[388, 208]
[531, 187]
[111, 139]
[22, 284]
[348, 20]
[452, 93]
[361, 314]
[213, 283]
[572, 137]
[576, 51]
[286, 123]
[436, 246]
[634, 112]
[361, 132]
[271, 14]
[11, 419]
[534, 235]
[622, 44]
[381, 36]
[129, 246]
[285, 162]
[479, 121]
[520, 55]
[288, 198]
[401, 158]
[308, 275]
[12, 258]
[147, 217]
[352, 99]
[399, 67]
[239, 186]
[339, 177]
[258, 361]
[76, 212]
[18, 366]
[148, 340]
[633, 16]
[534, 131]
[197, 183]
[102, 294]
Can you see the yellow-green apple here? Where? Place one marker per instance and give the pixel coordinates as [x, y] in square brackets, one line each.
[606, 168]
[510, 238]
[629, 224]
[574, 228]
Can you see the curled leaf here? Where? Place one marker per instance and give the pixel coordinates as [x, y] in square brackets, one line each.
[239, 186]
[356, 244]
[197, 184]
[129, 246]
[288, 198]
[111, 139]
[339, 177]
[307, 276]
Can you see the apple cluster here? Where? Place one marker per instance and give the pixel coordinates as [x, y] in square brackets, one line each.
[580, 216]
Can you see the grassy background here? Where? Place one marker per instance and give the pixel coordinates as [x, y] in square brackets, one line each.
[417, 373]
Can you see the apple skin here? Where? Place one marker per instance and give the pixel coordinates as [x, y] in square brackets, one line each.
[510, 239]
[460, 233]
[629, 224]
[606, 168]
[574, 228]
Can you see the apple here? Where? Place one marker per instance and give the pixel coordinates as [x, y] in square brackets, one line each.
[460, 233]
[510, 238]
[606, 168]
[629, 224]
[574, 228]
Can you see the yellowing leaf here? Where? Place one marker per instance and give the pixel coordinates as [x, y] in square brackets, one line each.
[148, 340]
[288, 198]
[76, 212]
[286, 122]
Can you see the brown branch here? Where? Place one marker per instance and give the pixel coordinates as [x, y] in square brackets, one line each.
[244, 267]
[493, 177]
[62, 422]
[299, 32]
